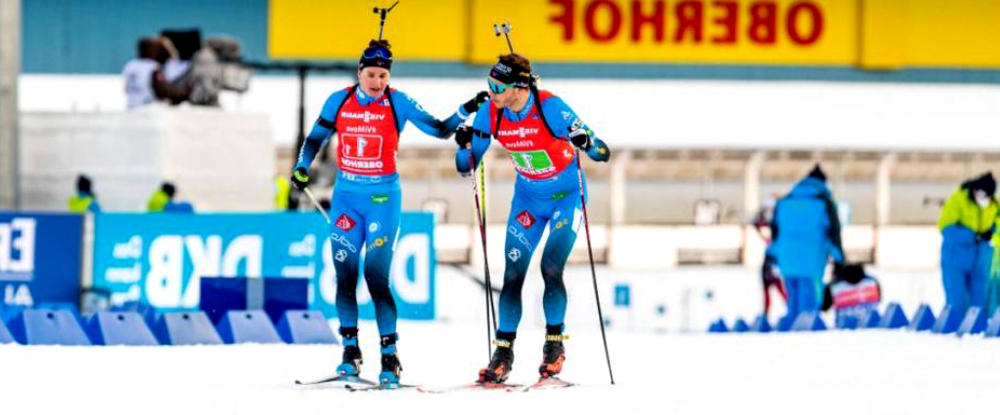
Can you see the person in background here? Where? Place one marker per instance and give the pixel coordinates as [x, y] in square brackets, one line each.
[282, 193]
[84, 200]
[806, 233]
[852, 293]
[145, 82]
[769, 272]
[162, 200]
[967, 224]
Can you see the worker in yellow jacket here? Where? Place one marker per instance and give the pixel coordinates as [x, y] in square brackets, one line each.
[83, 200]
[967, 224]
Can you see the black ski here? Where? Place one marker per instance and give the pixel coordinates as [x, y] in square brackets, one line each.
[347, 379]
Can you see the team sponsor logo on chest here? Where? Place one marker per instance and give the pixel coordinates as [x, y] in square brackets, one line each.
[361, 129]
[366, 116]
[521, 132]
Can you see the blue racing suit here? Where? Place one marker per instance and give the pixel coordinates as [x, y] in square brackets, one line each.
[365, 207]
[553, 201]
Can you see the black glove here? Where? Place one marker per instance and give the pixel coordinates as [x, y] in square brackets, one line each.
[472, 105]
[985, 236]
[300, 178]
[580, 138]
[463, 136]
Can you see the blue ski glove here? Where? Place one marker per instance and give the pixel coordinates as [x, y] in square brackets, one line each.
[599, 151]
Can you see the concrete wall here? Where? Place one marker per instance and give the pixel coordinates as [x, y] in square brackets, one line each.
[218, 160]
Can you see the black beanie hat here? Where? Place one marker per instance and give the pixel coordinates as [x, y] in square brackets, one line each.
[376, 54]
[986, 183]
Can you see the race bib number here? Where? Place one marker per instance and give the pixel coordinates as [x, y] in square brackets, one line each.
[532, 161]
[361, 147]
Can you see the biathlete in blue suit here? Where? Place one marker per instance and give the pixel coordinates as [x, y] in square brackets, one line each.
[540, 132]
[365, 208]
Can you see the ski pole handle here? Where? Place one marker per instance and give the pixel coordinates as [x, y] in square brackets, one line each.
[316, 204]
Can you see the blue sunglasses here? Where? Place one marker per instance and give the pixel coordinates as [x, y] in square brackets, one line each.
[496, 87]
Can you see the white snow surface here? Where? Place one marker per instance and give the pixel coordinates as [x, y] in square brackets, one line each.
[659, 365]
[868, 372]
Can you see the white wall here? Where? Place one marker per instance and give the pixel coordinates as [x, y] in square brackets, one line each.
[643, 113]
[218, 160]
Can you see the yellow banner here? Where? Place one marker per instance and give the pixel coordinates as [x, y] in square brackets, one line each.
[955, 33]
[691, 31]
[341, 29]
[878, 34]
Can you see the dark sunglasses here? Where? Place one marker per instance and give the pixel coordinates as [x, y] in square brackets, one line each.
[496, 87]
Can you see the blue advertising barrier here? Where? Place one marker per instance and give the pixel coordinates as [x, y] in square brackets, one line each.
[39, 258]
[159, 259]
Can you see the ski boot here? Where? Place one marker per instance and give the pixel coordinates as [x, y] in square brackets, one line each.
[351, 364]
[553, 352]
[391, 368]
[502, 361]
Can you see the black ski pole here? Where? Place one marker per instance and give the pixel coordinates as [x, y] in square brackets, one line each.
[382, 12]
[491, 314]
[593, 272]
[505, 28]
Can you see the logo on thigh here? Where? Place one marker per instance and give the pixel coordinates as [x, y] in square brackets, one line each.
[514, 254]
[345, 222]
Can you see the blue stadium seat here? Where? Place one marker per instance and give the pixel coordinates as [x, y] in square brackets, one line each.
[248, 326]
[785, 323]
[740, 326]
[719, 326]
[870, 320]
[761, 325]
[60, 327]
[119, 328]
[993, 328]
[185, 327]
[808, 321]
[948, 321]
[5, 336]
[305, 327]
[11, 311]
[973, 323]
[894, 317]
[848, 322]
[923, 320]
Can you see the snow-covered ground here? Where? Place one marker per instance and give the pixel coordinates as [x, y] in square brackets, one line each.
[870, 372]
[658, 368]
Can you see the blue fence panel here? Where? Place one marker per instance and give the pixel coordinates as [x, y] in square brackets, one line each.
[145, 258]
[39, 258]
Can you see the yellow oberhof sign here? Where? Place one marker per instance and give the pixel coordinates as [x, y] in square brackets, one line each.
[341, 29]
[878, 34]
[705, 31]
